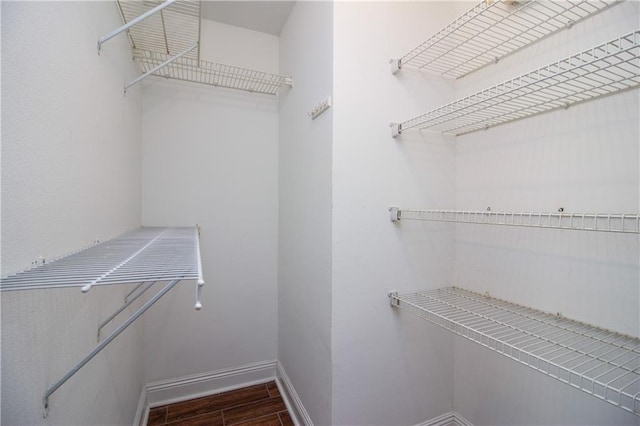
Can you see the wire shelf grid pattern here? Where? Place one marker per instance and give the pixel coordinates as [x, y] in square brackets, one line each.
[172, 30]
[494, 29]
[211, 73]
[147, 254]
[597, 361]
[621, 223]
[601, 70]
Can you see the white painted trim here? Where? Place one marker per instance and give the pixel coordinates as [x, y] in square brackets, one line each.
[142, 412]
[448, 419]
[299, 414]
[198, 385]
[195, 386]
[461, 421]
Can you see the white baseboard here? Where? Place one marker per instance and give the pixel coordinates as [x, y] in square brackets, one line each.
[198, 385]
[448, 419]
[291, 399]
[175, 390]
[142, 413]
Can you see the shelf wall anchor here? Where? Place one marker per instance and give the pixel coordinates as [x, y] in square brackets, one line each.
[396, 65]
[393, 298]
[396, 129]
[394, 214]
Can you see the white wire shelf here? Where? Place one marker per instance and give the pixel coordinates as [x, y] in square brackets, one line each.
[165, 36]
[214, 74]
[147, 254]
[601, 222]
[493, 29]
[171, 30]
[604, 69]
[600, 362]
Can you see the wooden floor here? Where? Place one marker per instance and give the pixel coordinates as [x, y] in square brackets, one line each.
[254, 405]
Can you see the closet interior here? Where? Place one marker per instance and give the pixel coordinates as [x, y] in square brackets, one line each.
[515, 210]
[595, 360]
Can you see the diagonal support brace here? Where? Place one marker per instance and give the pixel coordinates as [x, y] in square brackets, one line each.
[126, 304]
[105, 342]
[131, 23]
[162, 65]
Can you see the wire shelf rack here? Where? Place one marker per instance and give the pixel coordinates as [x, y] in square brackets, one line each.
[171, 30]
[214, 74]
[493, 29]
[147, 254]
[602, 222]
[600, 362]
[165, 36]
[604, 69]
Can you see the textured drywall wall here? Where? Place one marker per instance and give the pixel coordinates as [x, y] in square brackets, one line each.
[583, 159]
[388, 367]
[304, 246]
[210, 157]
[70, 176]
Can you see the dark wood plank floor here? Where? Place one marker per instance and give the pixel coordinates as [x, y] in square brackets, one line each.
[259, 405]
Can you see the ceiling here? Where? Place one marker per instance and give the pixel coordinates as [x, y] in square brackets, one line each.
[265, 16]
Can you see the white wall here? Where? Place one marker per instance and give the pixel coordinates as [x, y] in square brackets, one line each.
[70, 176]
[389, 368]
[304, 246]
[210, 157]
[584, 159]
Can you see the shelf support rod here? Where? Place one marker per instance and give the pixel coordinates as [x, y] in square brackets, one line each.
[131, 23]
[126, 298]
[127, 303]
[200, 281]
[104, 344]
[162, 65]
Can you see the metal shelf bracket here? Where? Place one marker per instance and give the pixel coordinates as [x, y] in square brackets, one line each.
[396, 129]
[396, 65]
[394, 214]
[393, 298]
